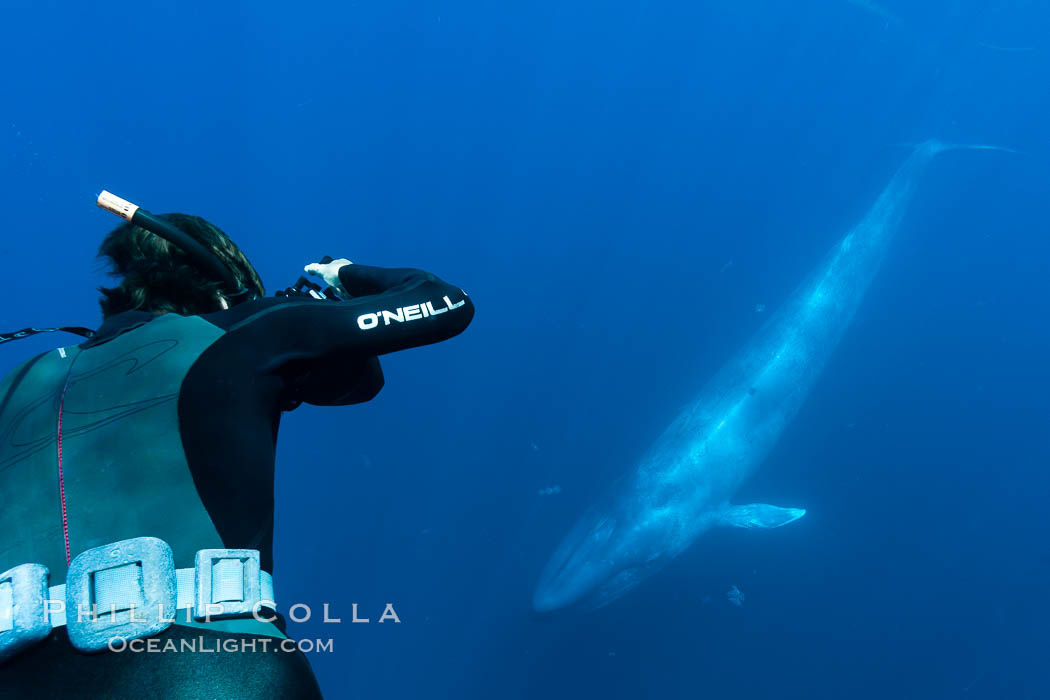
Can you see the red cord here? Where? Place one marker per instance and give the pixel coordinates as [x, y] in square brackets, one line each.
[61, 481]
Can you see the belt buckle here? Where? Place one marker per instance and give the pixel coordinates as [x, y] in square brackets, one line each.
[23, 608]
[227, 583]
[127, 590]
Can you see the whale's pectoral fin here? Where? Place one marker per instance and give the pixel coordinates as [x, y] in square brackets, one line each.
[759, 515]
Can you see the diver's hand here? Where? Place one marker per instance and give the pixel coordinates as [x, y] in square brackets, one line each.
[329, 272]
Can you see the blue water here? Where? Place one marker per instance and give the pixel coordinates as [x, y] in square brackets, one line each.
[620, 186]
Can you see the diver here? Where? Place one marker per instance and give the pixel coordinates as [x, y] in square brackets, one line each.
[150, 447]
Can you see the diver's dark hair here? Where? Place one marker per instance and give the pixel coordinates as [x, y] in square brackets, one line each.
[161, 278]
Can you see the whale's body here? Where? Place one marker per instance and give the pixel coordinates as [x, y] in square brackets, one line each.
[683, 484]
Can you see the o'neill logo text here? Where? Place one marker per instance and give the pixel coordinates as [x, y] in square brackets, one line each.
[406, 313]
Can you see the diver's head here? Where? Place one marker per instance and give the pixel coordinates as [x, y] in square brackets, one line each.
[161, 278]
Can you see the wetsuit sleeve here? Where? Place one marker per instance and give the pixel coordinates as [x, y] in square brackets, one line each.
[396, 309]
[326, 351]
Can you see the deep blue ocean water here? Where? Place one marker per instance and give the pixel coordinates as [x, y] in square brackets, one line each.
[620, 186]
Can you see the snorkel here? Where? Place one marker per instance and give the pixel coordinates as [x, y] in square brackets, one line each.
[207, 261]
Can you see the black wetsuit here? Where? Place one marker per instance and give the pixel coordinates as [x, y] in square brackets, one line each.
[167, 427]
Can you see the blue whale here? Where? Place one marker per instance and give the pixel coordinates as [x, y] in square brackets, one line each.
[682, 486]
